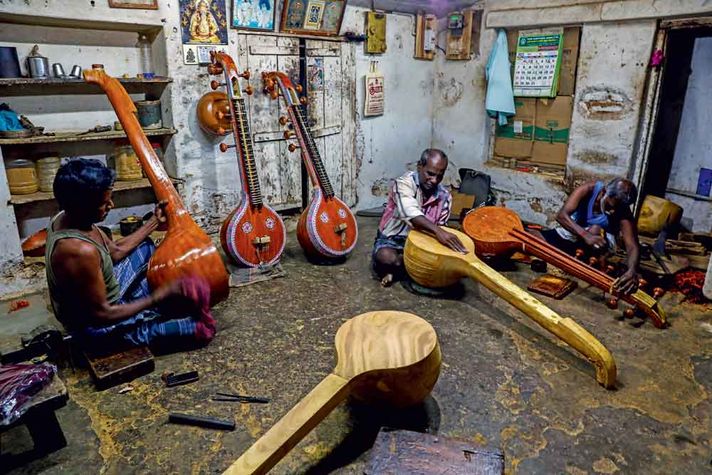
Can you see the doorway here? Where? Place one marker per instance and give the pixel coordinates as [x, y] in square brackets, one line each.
[679, 164]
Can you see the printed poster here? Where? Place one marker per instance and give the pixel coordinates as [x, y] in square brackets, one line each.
[375, 97]
[537, 63]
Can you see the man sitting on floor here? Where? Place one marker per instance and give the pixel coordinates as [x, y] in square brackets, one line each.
[592, 217]
[98, 288]
[416, 200]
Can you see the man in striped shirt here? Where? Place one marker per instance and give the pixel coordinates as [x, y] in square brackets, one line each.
[416, 201]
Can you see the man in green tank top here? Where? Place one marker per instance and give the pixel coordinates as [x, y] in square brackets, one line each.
[98, 287]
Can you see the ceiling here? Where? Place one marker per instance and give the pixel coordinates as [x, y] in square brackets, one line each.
[437, 7]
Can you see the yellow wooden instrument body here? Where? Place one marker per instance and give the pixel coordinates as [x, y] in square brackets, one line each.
[383, 357]
[431, 264]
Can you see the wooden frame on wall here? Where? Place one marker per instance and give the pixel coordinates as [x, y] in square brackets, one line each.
[142, 4]
[312, 17]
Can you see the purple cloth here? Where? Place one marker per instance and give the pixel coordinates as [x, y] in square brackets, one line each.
[18, 384]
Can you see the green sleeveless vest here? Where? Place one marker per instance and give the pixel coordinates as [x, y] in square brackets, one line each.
[66, 308]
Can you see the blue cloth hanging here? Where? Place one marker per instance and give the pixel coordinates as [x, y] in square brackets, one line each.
[499, 101]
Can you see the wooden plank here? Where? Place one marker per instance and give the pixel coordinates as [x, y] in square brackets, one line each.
[48, 195]
[274, 50]
[404, 451]
[53, 86]
[71, 136]
[279, 134]
[348, 120]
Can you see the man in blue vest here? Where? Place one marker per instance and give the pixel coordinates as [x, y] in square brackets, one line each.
[592, 217]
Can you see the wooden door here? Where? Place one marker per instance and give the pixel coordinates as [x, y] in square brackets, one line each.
[330, 67]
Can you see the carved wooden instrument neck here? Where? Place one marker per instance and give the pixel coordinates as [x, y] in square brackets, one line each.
[126, 112]
[245, 151]
[315, 166]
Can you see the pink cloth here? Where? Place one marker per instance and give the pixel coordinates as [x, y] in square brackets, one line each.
[197, 290]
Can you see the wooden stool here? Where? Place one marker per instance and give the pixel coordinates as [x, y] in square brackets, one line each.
[41, 420]
[111, 370]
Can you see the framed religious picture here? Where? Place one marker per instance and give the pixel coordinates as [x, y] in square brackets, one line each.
[253, 14]
[142, 4]
[312, 17]
[203, 22]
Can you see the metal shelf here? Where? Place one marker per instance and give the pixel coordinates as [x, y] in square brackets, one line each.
[53, 86]
[73, 137]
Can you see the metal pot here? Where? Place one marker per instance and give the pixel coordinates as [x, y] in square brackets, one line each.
[37, 65]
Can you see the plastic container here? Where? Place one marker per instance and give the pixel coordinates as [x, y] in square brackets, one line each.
[46, 170]
[21, 177]
[145, 55]
[126, 163]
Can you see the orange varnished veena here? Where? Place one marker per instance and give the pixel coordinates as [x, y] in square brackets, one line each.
[499, 231]
[253, 234]
[186, 249]
[327, 228]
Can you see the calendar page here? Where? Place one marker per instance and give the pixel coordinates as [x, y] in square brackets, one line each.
[537, 63]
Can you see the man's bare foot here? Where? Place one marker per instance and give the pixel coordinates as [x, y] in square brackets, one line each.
[387, 280]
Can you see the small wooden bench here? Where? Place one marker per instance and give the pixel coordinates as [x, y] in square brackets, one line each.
[121, 367]
[41, 420]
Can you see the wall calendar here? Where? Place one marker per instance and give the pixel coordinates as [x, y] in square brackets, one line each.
[537, 63]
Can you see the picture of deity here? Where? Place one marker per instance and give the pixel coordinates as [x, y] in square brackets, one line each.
[253, 14]
[203, 21]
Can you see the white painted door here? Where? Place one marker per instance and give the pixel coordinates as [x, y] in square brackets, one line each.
[331, 89]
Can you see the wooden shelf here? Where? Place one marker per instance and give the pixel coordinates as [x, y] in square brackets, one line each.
[73, 137]
[118, 186]
[54, 86]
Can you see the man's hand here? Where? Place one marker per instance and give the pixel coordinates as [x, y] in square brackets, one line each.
[168, 292]
[593, 240]
[450, 240]
[627, 283]
[159, 214]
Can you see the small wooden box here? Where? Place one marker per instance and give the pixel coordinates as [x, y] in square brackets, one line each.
[111, 370]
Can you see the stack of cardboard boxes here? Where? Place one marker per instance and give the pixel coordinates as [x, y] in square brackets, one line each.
[538, 134]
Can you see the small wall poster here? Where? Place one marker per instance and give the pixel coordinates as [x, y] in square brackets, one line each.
[537, 63]
[375, 96]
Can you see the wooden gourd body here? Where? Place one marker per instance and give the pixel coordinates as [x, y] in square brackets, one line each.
[498, 231]
[213, 112]
[248, 223]
[383, 357]
[185, 250]
[317, 224]
[431, 264]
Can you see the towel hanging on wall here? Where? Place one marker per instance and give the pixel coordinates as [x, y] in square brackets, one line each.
[499, 101]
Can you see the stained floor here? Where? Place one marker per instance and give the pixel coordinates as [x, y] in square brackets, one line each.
[505, 383]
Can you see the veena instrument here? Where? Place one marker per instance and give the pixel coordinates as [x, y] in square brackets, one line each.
[253, 234]
[386, 358]
[499, 231]
[327, 228]
[185, 250]
[431, 264]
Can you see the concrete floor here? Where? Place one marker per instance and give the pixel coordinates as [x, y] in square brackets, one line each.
[504, 383]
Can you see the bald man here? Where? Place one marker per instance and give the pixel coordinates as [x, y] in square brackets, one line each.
[415, 201]
[593, 215]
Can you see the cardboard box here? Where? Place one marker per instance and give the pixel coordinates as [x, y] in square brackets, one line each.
[460, 202]
[515, 139]
[569, 59]
[552, 125]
